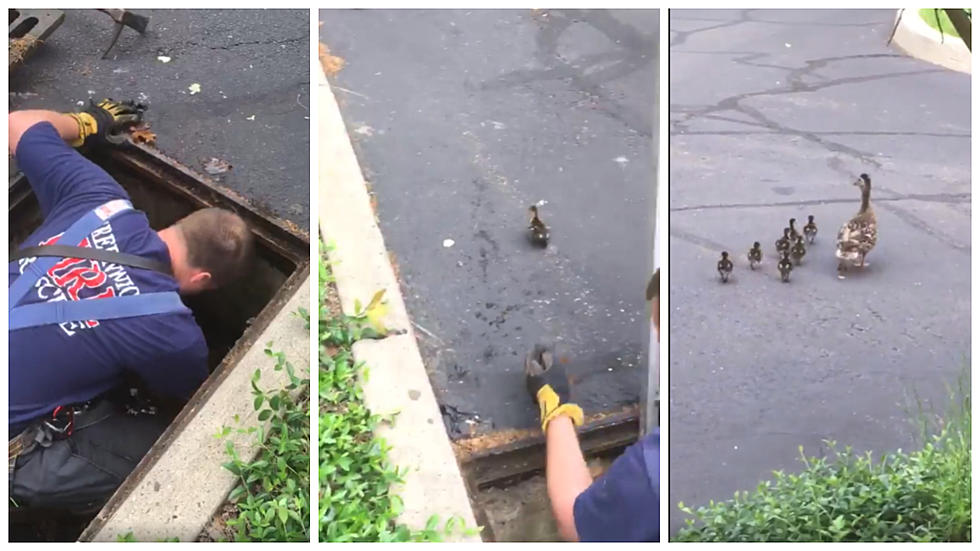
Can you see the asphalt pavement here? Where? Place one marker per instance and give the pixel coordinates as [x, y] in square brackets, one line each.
[772, 115]
[252, 110]
[461, 120]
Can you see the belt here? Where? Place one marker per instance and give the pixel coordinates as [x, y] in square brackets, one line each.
[60, 425]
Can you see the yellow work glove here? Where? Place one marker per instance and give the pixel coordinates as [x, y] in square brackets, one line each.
[548, 386]
[105, 122]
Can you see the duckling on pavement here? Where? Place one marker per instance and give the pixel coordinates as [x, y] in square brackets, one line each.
[783, 243]
[785, 267]
[798, 250]
[793, 234]
[725, 267]
[537, 232]
[755, 255]
[810, 230]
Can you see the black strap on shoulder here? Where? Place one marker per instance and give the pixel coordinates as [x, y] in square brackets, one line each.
[113, 257]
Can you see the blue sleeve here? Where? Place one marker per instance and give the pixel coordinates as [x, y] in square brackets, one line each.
[60, 176]
[176, 374]
[622, 504]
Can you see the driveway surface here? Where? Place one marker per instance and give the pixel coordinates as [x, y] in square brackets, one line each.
[461, 120]
[773, 115]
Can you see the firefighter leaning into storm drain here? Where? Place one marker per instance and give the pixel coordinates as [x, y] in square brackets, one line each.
[95, 303]
[623, 503]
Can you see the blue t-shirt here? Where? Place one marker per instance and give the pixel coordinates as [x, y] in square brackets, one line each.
[73, 362]
[623, 504]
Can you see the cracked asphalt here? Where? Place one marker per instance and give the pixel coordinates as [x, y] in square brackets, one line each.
[247, 62]
[461, 120]
[772, 115]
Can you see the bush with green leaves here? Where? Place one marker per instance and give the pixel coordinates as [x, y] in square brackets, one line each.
[918, 496]
[355, 476]
[272, 497]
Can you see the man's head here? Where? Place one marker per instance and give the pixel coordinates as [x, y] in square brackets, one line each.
[209, 248]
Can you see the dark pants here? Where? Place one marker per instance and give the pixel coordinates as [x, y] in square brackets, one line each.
[82, 471]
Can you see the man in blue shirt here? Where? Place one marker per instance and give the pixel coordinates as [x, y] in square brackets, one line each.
[622, 504]
[71, 446]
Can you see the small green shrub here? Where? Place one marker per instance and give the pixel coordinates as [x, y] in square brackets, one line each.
[355, 476]
[918, 496]
[939, 20]
[272, 498]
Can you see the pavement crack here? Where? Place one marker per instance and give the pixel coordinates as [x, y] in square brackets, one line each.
[693, 238]
[588, 73]
[681, 37]
[949, 198]
[825, 133]
[737, 104]
[924, 227]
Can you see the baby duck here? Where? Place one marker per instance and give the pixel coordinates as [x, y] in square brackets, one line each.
[859, 235]
[783, 243]
[537, 231]
[810, 230]
[725, 267]
[793, 234]
[798, 250]
[755, 255]
[785, 267]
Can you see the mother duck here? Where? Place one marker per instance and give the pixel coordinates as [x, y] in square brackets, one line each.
[858, 236]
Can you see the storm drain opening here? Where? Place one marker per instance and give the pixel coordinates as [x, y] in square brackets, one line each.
[231, 318]
[27, 30]
[503, 472]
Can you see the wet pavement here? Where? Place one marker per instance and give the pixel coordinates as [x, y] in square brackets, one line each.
[461, 120]
[772, 116]
[252, 110]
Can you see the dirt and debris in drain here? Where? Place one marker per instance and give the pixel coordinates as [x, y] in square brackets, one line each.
[522, 511]
[466, 448]
[20, 47]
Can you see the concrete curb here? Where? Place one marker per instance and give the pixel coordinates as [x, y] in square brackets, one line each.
[397, 380]
[183, 489]
[916, 38]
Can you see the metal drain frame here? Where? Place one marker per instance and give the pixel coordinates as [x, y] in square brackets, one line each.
[517, 460]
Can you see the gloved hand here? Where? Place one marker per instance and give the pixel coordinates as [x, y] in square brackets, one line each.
[548, 385]
[104, 122]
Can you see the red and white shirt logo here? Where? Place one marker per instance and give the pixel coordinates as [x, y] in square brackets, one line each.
[83, 279]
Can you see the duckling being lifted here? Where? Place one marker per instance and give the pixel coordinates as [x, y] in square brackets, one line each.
[725, 267]
[798, 250]
[785, 267]
[783, 243]
[537, 231]
[810, 230]
[755, 255]
[859, 235]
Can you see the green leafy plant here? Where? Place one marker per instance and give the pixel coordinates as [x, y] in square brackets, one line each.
[355, 476]
[918, 496]
[129, 537]
[271, 499]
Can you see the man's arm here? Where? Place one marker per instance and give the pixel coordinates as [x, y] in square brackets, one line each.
[18, 122]
[566, 473]
[97, 121]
